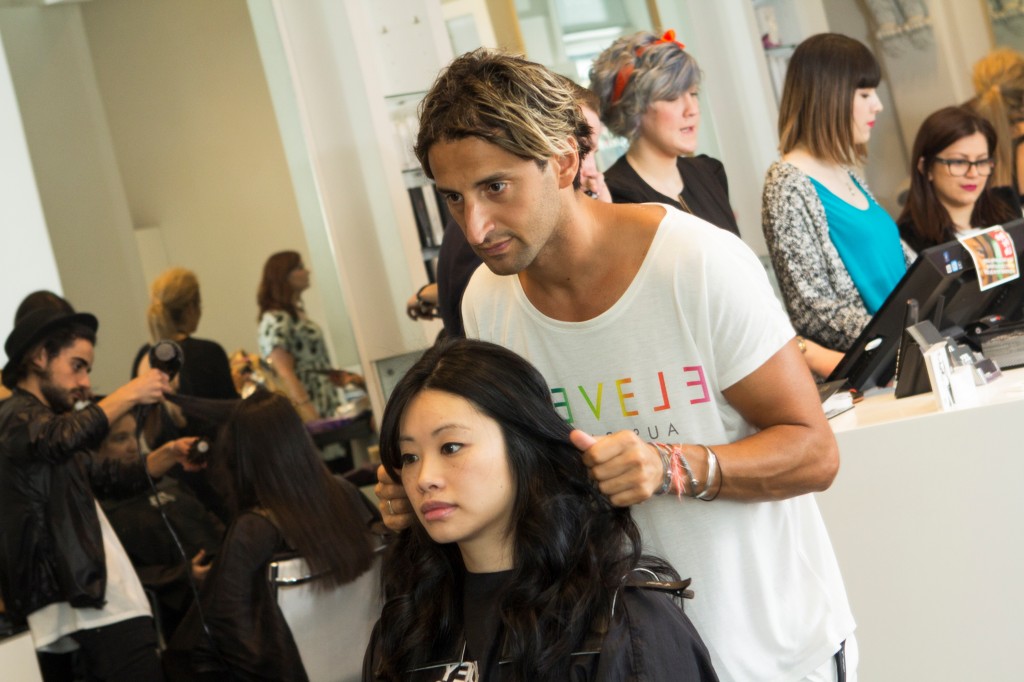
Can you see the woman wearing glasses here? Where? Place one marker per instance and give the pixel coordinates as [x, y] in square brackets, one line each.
[951, 188]
[836, 252]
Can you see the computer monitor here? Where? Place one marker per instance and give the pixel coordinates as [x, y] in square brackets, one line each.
[942, 279]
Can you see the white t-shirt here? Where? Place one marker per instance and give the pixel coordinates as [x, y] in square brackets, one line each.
[125, 599]
[699, 316]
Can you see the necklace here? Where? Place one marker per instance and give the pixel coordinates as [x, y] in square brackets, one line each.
[683, 204]
[848, 183]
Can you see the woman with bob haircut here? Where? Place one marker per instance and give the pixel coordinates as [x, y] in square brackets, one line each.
[648, 88]
[951, 180]
[518, 567]
[292, 343]
[998, 79]
[284, 501]
[836, 253]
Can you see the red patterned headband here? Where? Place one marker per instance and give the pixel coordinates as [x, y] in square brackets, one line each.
[626, 72]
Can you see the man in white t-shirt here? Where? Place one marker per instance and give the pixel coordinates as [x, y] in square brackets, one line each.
[659, 335]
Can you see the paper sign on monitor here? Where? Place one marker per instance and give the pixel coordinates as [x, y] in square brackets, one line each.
[994, 255]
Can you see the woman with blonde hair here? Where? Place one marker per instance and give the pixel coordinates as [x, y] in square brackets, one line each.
[999, 97]
[174, 311]
[173, 315]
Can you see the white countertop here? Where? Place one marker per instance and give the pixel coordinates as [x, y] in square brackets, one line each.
[881, 406]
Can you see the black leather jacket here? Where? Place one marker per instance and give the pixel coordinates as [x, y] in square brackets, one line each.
[649, 639]
[51, 546]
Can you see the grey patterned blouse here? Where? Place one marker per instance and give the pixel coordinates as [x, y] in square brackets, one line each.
[823, 302]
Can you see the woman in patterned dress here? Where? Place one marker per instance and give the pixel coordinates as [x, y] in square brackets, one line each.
[292, 343]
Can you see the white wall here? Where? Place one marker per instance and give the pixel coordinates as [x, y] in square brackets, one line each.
[26, 255]
[918, 79]
[79, 185]
[339, 88]
[888, 168]
[154, 142]
[205, 174]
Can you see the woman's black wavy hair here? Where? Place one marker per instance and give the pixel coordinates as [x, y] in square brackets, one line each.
[572, 548]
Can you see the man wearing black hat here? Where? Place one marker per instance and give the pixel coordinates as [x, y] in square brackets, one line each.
[61, 566]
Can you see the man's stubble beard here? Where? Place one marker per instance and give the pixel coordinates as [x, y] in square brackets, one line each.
[59, 399]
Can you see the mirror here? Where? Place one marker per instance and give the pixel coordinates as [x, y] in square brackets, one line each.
[155, 142]
[1006, 18]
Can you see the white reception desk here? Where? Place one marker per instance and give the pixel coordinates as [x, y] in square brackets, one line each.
[927, 520]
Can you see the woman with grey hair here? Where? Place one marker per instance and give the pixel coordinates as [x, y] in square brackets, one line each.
[648, 88]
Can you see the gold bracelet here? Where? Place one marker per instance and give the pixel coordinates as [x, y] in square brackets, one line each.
[801, 344]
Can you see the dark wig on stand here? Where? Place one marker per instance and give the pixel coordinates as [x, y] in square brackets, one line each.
[571, 550]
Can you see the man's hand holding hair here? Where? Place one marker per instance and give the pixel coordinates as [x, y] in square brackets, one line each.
[161, 460]
[394, 503]
[627, 470]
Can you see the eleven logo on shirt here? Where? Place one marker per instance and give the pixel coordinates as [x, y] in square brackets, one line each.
[466, 671]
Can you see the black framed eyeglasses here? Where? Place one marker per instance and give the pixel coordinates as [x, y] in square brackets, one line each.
[960, 167]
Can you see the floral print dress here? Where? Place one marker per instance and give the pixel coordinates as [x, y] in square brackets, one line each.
[303, 340]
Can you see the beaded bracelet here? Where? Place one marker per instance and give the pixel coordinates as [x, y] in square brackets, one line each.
[678, 466]
[674, 465]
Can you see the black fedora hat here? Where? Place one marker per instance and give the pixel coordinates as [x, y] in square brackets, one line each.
[33, 328]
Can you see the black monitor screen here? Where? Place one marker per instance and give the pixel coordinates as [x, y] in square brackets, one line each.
[942, 275]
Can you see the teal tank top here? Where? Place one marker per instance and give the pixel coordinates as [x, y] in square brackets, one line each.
[868, 243]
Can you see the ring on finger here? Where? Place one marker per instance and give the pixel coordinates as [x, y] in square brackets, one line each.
[391, 510]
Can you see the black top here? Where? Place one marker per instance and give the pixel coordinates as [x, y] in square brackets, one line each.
[456, 264]
[1005, 196]
[705, 189]
[480, 615]
[153, 552]
[205, 373]
[649, 638]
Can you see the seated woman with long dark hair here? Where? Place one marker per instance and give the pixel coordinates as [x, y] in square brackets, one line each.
[285, 501]
[951, 185]
[518, 568]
